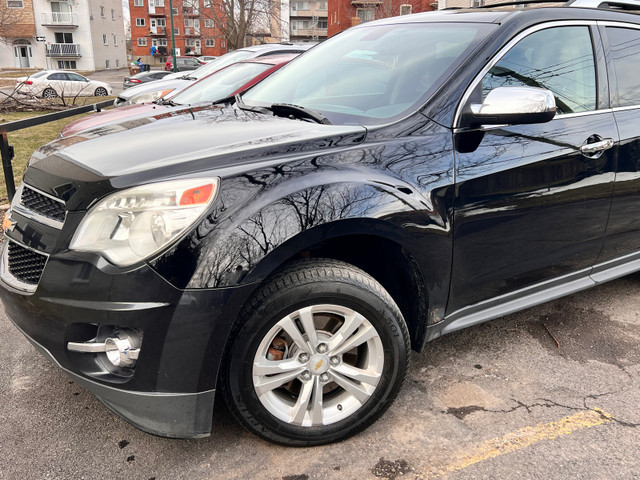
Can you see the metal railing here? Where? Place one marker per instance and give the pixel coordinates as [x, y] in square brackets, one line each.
[5, 128]
[59, 19]
[63, 50]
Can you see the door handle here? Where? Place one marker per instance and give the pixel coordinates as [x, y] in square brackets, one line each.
[597, 147]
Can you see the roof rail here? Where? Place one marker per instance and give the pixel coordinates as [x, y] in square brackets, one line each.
[616, 4]
[613, 4]
[513, 3]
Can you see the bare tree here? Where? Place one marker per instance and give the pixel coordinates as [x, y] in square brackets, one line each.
[9, 20]
[239, 20]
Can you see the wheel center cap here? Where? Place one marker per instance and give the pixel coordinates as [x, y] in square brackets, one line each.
[319, 364]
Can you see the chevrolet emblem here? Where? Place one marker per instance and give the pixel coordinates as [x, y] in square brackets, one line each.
[318, 365]
[7, 223]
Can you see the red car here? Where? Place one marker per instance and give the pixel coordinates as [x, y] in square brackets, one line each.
[224, 83]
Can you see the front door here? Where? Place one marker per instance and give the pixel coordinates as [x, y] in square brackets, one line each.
[22, 54]
[531, 202]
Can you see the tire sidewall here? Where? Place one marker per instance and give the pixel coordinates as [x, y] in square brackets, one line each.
[384, 317]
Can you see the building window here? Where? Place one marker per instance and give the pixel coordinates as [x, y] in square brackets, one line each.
[323, 23]
[102, 12]
[477, 3]
[176, 31]
[161, 22]
[323, 5]
[140, 22]
[115, 39]
[208, 23]
[175, 11]
[138, 3]
[63, 37]
[113, 14]
[405, 9]
[207, 4]
[142, 42]
[159, 42]
[67, 64]
[15, 4]
[365, 14]
[105, 41]
[188, 22]
[210, 42]
[159, 3]
[117, 63]
[107, 64]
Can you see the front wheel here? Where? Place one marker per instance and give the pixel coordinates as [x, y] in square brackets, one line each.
[319, 354]
[101, 92]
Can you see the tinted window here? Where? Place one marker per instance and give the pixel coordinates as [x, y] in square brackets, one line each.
[76, 78]
[57, 76]
[559, 59]
[625, 46]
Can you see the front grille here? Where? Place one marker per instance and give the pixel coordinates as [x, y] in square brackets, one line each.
[24, 264]
[41, 204]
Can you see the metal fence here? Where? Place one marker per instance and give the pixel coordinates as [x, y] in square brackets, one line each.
[5, 128]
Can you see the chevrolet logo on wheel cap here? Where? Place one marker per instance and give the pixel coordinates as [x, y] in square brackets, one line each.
[318, 365]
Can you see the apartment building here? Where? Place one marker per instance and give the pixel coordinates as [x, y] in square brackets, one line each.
[193, 25]
[347, 13]
[308, 20]
[77, 35]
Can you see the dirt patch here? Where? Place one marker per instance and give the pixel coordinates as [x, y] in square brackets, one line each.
[586, 334]
[391, 470]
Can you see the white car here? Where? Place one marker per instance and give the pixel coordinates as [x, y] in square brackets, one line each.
[58, 83]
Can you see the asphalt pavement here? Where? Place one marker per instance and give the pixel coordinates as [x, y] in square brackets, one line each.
[548, 393]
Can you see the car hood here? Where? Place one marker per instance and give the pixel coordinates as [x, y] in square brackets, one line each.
[192, 141]
[155, 86]
[114, 115]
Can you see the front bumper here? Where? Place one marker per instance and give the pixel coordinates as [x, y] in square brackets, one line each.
[171, 390]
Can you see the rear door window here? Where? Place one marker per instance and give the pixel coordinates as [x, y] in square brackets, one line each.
[625, 49]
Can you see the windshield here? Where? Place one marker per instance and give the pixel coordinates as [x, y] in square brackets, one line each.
[220, 62]
[373, 74]
[220, 84]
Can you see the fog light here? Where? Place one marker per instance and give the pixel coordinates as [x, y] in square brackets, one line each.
[121, 348]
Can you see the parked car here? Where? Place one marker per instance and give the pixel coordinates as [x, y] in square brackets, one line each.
[143, 77]
[57, 83]
[175, 82]
[227, 82]
[407, 178]
[183, 63]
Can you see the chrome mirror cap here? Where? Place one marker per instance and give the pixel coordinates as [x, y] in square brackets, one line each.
[514, 105]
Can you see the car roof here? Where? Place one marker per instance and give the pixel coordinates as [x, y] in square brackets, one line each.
[275, 59]
[507, 13]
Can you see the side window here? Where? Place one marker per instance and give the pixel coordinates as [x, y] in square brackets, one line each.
[625, 47]
[559, 59]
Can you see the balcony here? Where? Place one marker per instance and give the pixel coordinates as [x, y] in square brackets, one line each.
[309, 32]
[158, 31]
[63, 50]
[156, 11]
[190, 12]
[192, 32]
[59, 19]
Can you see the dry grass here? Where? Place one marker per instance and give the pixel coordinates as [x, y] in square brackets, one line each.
[26, 141]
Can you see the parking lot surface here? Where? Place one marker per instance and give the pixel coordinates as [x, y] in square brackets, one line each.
[548, 393]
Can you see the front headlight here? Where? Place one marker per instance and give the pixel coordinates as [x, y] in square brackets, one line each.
[130, 226]
[148, 97]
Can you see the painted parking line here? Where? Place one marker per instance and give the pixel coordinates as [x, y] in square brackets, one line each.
[521, 439]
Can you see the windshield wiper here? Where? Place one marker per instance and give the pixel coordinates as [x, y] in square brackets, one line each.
[171, 103]
[297, 111]
[249, 108]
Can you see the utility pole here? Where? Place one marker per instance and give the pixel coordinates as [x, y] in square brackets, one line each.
[173, 39]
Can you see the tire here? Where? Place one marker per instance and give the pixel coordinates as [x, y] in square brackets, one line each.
[101, 92]
[357, 355]
[49, 93]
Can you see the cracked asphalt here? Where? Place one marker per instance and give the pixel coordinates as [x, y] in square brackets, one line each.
[548, 393]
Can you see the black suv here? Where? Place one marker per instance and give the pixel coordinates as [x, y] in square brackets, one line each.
[402, 180]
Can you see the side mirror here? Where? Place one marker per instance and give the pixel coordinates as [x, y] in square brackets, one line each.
[513, 106]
